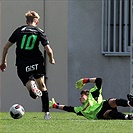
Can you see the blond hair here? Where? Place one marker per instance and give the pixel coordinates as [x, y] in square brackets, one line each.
[32, 16]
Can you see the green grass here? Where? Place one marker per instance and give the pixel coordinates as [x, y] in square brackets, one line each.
[61, 122]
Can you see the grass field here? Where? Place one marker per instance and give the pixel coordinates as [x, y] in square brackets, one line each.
[61, 122]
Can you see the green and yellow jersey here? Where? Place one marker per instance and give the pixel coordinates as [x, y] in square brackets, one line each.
[92, 105]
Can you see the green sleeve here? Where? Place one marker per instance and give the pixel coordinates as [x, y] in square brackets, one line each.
[78, 109]
[95, 88]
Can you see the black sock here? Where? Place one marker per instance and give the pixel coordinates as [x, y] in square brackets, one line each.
[121, 102]
[116, 115]
[45, 101]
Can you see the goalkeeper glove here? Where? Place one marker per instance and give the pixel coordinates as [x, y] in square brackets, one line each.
[53, 104]
[81, 83]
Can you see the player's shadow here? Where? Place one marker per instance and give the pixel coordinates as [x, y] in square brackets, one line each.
[5, 119]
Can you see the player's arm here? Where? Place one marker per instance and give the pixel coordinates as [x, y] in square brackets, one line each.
[50, 54]
[66, 108]
[4, 56]
[98, 82]
[96, 93]
[80, 83]
[53, 104]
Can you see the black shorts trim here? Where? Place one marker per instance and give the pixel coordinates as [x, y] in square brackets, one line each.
[36, 73]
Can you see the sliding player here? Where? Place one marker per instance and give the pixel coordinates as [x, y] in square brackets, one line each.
[94, 106]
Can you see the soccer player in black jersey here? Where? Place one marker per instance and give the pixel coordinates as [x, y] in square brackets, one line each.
[29, 59]
[93, 104]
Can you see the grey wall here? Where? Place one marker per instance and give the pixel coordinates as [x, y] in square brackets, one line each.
[84, 53]
[12, 90]
[0, 52]
[74, 31]
[56, 26]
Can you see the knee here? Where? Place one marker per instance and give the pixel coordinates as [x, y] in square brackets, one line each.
[112, 102]
[106, 114]
[41, 85]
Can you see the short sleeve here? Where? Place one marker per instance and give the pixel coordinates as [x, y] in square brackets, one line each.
[78, 109]
[14, 36]
[44, 39]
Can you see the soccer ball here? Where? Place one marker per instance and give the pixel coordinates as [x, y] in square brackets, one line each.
[16, 111]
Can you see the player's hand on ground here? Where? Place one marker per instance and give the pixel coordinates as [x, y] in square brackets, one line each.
[52, 103]
[79, 84]
[3, 67]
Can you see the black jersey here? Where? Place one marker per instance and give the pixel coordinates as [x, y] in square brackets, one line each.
[27, 39]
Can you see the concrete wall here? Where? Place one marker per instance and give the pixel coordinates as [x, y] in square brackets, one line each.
[0, 52]
[74, 31]
[12, 90]
[84, 53]
[56, 26]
